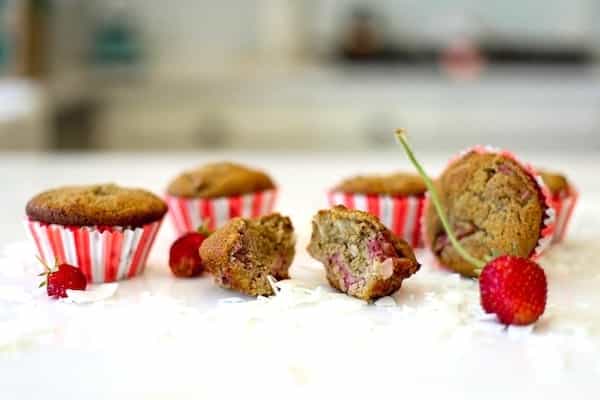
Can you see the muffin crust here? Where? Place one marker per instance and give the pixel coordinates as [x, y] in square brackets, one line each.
[94, 205]
[493, 205]
[219, 180]
[396, 184]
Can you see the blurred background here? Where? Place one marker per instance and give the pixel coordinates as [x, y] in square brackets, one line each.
[151, 75]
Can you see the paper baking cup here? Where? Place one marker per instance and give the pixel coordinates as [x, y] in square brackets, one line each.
[188, 214]
[564, 205]
[103, 255]
[401, 214]
[548, 228]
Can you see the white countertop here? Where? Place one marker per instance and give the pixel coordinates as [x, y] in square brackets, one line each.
[167, 344]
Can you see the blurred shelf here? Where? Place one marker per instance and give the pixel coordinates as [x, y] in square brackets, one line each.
[354, 107]
[23, 115]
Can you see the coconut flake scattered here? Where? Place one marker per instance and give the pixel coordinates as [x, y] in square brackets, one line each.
[386, 302]
[92, 293]
[310, 329]
[14, 294]
[518, 332]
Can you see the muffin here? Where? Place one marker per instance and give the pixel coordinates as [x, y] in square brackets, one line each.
[495, 204]
[215, 193]
[563, 200]
[106, 230]
[243, 253]
[396, 199]
[361, 256]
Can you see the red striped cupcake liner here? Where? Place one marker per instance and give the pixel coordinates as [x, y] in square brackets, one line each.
[401, 214]
[103, 254]
[548, 228]
[187, 214]
[564, 205]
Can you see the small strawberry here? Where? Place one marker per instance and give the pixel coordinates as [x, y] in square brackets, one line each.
[61, 278]
[513, 288]
[184, 255]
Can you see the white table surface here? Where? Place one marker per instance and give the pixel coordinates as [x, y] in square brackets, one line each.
[435, 362]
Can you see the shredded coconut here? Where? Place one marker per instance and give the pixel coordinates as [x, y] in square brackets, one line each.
[307, 333]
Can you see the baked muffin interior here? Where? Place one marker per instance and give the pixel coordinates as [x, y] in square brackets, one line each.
[243, 253]
[361, 257]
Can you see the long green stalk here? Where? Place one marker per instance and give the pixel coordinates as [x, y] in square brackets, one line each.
[479, 264]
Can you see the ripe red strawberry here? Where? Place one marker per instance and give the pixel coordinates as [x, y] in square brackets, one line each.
[514, 289]
[64, 277]
[184, 255]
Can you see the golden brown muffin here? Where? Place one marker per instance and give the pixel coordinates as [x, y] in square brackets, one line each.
[397, 184]
[106, 205]
[493, 204]
[557, 183]
[244, 252]
[219, 180]
[361, 256]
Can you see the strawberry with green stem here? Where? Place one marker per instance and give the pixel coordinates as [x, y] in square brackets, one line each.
[513, 288]
[60, 278]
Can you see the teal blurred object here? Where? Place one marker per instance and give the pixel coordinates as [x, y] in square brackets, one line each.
[4, 49]
[4, 37]
[115, 42]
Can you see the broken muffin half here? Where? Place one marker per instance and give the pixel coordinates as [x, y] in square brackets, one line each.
[361, 256]
[245, 252]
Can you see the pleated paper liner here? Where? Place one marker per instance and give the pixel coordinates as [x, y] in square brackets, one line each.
[103, 254]
[564, 205]
[400, 214]
[187, 214]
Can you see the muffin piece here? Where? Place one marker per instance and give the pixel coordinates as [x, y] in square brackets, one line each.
[219, 180]
[105, 230]
[244, 252]
[397, 184]
[556, 183]
[104, 205]
[494, 205]
[361, 256]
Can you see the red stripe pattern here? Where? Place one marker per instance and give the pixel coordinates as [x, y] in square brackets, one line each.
[401, 214]
[105, 255]
[564, 205]
[189, 214]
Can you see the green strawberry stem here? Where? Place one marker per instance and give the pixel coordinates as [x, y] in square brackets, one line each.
[204, 229]
[478, 264]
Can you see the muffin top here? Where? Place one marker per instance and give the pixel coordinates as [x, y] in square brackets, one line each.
[93, 205]
[494, 206]
[219, 180]
[396, 184]
[557, 183]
